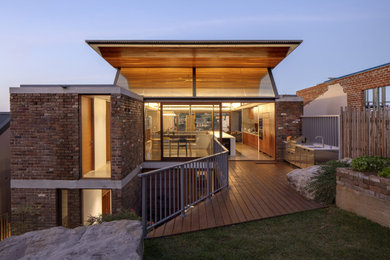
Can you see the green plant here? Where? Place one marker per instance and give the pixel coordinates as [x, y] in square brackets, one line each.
[369, 163]
[385, 172]
[123, 214]
[324, 184]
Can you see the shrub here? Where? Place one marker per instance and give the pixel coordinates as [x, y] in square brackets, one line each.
[123, 214]
[369, 163]
[385, 172]
[324, 184]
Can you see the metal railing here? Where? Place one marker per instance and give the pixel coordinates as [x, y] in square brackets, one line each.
[5, 226]
[169, 191]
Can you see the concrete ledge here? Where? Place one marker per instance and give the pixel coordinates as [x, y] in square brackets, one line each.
[289, 98]
[75, 184]
[74, 89]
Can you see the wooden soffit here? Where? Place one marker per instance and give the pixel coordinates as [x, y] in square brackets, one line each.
[184, 57]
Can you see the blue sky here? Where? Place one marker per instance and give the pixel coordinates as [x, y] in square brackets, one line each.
[43, 41]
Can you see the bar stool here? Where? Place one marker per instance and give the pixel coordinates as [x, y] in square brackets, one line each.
[182, 142]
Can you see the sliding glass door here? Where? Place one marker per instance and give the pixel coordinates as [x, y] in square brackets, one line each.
[189, 129]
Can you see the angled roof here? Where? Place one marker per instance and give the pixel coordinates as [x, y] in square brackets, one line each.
[186, 53]
[227, 66]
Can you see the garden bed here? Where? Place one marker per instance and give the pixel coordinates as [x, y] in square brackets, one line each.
[364, 194]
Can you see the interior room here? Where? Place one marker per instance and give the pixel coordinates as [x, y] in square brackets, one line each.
[188, 130]
[94, 203]
[248, 130]
[253, 127]
[95, 136]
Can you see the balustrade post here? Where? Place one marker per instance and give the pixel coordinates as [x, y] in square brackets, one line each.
[182, 190]
[144, 217]
[208, 178]
[227, 170]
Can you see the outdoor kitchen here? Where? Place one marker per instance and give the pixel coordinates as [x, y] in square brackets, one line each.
[301, 153]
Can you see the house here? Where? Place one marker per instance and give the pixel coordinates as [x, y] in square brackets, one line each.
[366, 88]
[76, 150]
[369, 89]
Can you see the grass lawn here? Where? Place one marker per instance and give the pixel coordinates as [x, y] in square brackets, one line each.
[328, 233]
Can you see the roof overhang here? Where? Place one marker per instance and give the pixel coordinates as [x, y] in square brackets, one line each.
[199, 54]
[230, 66]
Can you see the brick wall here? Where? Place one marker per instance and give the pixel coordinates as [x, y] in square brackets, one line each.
[74, 208]
[353, 85]
[287, 123]
[126, 135]
[33, 209]
[44, 136]
[45, 145]
[364, 194]
[128, 198]
[309, 94]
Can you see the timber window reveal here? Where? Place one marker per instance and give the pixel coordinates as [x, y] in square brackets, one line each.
[95, 136]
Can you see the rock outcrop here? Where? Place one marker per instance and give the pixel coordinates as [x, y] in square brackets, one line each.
[299, 179]
[120, 239]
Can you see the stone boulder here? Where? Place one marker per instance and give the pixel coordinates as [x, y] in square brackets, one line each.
[299, 179]
[120, 239]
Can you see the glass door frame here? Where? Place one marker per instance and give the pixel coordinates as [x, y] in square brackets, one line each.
[186, 103]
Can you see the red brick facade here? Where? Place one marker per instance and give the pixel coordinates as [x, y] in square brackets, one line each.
[287, 123]
[353, 85]
[126, 135]
[33, 209]
[45, 145]
[45, 136]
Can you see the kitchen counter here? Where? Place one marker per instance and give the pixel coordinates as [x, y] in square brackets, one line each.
[251, 133]
[318, 147]
[232, 141]
[305, 155]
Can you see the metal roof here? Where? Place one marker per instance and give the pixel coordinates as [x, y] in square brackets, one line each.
[190, 42]
[358, 72]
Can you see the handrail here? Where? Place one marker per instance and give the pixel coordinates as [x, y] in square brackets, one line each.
[169, 191]
[186, 162]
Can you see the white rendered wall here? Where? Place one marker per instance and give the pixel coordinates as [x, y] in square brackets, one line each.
[328, 103]
[92, 204]
[100, 132]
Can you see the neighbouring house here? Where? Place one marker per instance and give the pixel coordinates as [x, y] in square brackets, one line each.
[369, 89]
[366, 88]
[76, 150]
[4, 163]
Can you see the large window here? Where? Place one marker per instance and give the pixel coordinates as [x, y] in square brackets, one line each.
[377, 97]
[152, 131]
[180, 130]
[95, 136]
[95, 203]
[189, 129]
[209, 82]
[63, 208]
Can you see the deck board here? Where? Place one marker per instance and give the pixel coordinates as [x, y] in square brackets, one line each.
[256, 191]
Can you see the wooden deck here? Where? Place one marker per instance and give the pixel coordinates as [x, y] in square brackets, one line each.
[256, 191]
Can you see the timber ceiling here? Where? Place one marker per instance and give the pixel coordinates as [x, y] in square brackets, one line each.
[185, 57]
